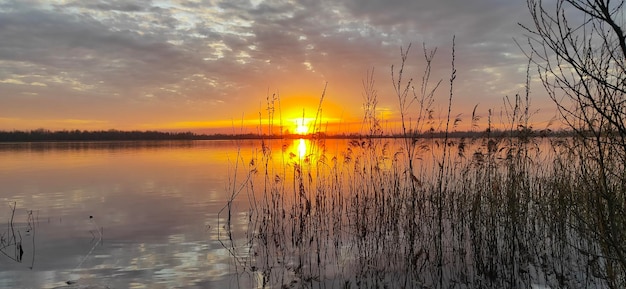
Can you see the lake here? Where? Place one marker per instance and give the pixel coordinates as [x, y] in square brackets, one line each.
[155, 205]
[286, 213]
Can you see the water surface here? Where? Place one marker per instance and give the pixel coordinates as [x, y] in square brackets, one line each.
[118, 214]
[151, 214]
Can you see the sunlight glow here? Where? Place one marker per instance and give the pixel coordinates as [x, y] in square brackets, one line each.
[301, 128]
[301, 148]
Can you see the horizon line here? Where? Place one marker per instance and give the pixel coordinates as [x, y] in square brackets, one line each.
[121, 135]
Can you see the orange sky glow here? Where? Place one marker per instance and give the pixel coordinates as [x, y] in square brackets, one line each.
[210, 67]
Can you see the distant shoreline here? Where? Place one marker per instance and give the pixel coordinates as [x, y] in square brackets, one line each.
[42, 135]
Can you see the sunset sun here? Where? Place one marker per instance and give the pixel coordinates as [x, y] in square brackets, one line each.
[301, 127]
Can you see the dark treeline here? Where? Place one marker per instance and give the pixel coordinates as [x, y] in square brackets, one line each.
[44, 135]
[464, 134]
[41, 135]
[83, 135]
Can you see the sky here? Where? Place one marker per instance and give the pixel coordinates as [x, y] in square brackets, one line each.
[210, 65]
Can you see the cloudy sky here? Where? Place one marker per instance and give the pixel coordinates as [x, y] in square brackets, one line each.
[209, 65]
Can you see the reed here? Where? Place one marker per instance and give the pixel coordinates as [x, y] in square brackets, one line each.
[17, 238]
[505, 210]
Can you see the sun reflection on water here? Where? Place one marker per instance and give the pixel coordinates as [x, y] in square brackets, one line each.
[302, 148]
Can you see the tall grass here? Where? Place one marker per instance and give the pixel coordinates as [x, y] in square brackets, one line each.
[504, 210]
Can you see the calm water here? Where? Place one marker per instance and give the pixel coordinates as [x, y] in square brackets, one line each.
[120, 214]
[147, 214]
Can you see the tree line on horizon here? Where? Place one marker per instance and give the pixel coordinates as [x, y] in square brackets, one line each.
[40, 135]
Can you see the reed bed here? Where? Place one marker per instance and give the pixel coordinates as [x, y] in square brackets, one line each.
[504, 210]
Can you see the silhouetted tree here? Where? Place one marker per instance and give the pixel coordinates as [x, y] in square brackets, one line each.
[579, 48]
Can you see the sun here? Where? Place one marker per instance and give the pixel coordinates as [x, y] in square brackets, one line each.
[301, 125]
[301, 128]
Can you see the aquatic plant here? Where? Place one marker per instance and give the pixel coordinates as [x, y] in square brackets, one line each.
[12, 242]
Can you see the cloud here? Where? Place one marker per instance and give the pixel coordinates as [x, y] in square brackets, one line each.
[116, 6]
[81, 45]
[188, 56]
